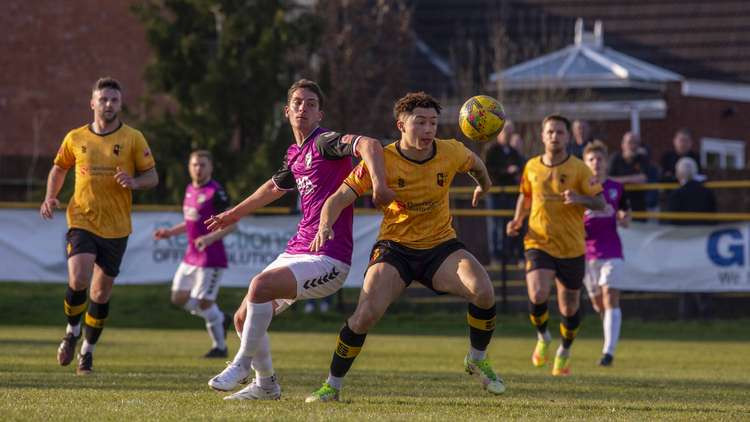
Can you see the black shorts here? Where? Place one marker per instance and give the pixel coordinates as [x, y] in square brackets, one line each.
[569, 271]
[414, 264]
[109, 252]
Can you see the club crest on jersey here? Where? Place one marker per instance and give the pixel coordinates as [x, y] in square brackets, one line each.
[83, 149]
[201, 198]
[308, 159]
[612, 194]
[563, 178]
[441, 179]
[401, 182]
[116, 149]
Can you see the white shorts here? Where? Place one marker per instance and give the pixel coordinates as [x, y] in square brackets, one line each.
[203, 282]
[602, 272]
[317, 276]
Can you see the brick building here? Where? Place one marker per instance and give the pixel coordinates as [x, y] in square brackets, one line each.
[51, 52]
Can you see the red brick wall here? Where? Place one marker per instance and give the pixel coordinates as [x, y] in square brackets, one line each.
[51, 52]
[704, 117]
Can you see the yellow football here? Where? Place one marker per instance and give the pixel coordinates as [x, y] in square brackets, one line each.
[481, 118]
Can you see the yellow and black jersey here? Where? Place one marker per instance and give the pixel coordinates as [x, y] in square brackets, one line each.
[420, 217]
[99, 204]
[554, 227]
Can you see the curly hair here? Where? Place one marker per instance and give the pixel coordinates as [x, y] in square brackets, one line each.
[412, 100]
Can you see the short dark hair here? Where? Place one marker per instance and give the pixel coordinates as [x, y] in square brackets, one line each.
[684, 131]
[557, 118]
[306, 84]
[202, 153]
[412, 100]
[106, 82]
[595, 146]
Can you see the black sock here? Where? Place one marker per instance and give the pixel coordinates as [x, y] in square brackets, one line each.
[539, 315]
[481, 326]
[74, 305]
[569, 328]
[95, 317]
[348, 347]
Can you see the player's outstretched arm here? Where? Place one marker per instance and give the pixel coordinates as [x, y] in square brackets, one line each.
[372, 153]
[206, 240]
[264, 195]
[478, 172]
[167, 232]
[55, 180]
[523, 205]
[332, 208]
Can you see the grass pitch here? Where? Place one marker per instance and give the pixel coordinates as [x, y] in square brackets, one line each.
[662, 371]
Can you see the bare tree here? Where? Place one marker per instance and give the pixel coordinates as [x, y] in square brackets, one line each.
[362, 62]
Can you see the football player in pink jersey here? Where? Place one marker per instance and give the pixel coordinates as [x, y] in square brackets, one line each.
[604, 257]
[315, 165]
[196, 281]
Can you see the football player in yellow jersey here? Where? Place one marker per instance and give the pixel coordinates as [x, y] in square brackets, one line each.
[105, 154]
[556, 189]
[416, 240]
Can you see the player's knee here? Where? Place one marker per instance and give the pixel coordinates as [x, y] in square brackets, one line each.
[78, 282]
[484, 296]
[260, 288]
[177, 299]
[99, 295]
[537, 296]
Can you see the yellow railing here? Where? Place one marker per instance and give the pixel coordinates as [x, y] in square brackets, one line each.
[482, 212]
[722, 184]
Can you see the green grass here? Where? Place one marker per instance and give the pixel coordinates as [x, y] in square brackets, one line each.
[410, 368]
[144, 374]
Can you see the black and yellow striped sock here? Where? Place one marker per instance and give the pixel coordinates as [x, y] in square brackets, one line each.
[481, 326]
[348, 346]
[539, 315]
[569, 328]
[74, 305]
[95, 317]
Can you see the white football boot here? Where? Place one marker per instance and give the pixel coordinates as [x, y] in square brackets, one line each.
[255, 392]
[230, 377]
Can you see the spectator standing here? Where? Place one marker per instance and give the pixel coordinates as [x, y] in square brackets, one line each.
[683, 147]
[581, 138]
[630, 165]
[504, 164]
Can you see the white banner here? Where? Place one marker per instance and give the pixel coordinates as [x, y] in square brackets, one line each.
[34, 250]
[686, 258]
[657, 258]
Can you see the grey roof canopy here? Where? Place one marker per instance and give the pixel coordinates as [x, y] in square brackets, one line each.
[585, 64]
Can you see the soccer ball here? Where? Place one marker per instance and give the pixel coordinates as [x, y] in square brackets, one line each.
[481, 118]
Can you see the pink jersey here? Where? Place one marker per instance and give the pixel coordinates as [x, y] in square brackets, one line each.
[316, 169]
[199, 204]
[602, 240]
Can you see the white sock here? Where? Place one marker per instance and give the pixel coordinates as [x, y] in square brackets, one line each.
[87, 347]
[335, 382]
[546, 337]
[75, 329]
[563, 352]
[262, 360]
[476, 354]
[214, 325]
[611, 321]
[258, 319]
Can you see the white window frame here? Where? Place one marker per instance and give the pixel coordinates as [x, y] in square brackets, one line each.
[724, 148]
